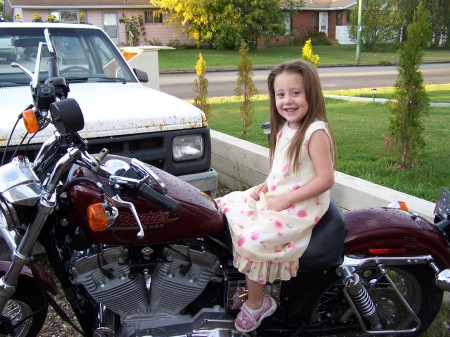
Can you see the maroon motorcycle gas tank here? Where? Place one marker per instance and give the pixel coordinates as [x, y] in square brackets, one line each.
[387, 231]
[198, 215]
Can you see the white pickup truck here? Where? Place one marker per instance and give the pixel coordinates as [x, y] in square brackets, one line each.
[120, 113]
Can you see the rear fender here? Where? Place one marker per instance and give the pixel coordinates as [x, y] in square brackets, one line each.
[393, 232]
[26, 276]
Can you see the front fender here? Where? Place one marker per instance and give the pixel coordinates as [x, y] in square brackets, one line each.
[396, 231]
[26, 276]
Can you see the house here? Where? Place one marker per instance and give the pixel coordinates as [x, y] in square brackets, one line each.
[327, 16]
[107, 14]
[330, 17]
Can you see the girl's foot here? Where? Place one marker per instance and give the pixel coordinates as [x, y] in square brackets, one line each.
[248, 320]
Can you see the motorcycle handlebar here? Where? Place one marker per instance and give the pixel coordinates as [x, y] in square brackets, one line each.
[148, 193]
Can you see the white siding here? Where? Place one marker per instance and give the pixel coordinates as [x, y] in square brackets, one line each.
[342, 35]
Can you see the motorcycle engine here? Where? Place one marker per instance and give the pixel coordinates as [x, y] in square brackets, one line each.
[157, 287]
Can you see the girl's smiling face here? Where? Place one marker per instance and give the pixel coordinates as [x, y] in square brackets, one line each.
[290, 98]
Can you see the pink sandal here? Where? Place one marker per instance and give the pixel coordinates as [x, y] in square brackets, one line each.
[246, 322]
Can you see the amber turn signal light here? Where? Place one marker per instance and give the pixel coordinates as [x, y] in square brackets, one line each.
[98, 220]
[30, 121]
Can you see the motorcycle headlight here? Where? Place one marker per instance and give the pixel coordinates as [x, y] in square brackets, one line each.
[187, 147]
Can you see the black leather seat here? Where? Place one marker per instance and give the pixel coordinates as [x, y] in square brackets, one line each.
[327, 241]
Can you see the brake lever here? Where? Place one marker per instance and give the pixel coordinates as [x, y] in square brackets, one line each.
[116, 201]
[119, 181]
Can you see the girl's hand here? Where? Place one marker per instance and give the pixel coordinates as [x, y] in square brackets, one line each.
[261, 188]
[278, 203]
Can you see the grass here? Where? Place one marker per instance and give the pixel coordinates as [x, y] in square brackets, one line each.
[437, 329]
[360, 129]
[185, 59]
[436, 92]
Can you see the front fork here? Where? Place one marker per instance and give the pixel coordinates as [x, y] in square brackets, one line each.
[362, 305]
[21, 253]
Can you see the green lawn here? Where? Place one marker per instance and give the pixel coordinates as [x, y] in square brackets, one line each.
[185, 59]
[436, 92]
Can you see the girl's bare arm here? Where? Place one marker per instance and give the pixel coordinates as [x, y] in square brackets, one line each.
[322, 158]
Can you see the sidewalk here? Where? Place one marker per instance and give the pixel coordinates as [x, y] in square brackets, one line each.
[377, 100]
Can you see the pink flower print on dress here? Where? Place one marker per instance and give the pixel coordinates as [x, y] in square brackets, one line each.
[279, 234]
[241, 241]
[302, 214]
[250, 214]
[278, 224]
[296, 187]
[226, 209]
[318, 203]
[285, 168]
[254, 236]
[273, 188]
[280, 134]
[291, 245]
[317, 219]
[218, 201]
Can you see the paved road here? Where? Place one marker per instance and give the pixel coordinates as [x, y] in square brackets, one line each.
[333, 78]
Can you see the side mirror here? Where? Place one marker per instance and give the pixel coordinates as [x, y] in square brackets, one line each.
[141, 75]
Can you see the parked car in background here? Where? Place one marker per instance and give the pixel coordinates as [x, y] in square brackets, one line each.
[121, 114]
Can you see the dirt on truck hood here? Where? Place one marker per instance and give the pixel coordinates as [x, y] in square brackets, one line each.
[109, 109]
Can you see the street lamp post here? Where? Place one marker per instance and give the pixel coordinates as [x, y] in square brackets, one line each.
[358, 36]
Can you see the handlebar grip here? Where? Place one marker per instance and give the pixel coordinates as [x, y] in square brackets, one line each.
[148, 193]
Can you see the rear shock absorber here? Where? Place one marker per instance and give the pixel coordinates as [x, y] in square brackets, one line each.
[359, 298]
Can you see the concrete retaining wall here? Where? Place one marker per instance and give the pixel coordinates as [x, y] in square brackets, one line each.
[241, 164]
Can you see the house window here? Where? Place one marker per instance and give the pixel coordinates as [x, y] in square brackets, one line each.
[70, 16]
[287, 23]
[153, 16]
[340, 16]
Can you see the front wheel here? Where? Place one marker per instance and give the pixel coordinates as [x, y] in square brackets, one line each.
[416, 284]
[25, 301]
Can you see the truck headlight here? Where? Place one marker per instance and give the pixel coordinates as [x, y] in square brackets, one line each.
[187, 147]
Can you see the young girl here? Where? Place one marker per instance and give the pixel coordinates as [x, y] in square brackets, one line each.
[271, 223]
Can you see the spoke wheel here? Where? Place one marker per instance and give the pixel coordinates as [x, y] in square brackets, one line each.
[21, 305]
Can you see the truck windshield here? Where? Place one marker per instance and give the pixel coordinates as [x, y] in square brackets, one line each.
[85, 55]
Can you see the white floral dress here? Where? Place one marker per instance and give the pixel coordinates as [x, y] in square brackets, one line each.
[268, 244]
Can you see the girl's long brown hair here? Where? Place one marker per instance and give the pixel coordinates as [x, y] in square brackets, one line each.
[316, 109]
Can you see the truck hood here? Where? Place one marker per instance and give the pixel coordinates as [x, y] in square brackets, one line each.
[109, 109]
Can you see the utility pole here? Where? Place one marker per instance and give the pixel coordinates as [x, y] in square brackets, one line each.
[358, 36]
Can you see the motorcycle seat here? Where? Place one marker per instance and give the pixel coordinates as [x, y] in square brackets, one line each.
[327, 241]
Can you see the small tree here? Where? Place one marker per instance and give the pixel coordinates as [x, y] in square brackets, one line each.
[381, 23]
[201, 86]
[308, 54]
[410, 98]
[245, 88]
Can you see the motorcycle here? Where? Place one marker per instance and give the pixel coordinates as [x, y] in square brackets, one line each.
[139, 252]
